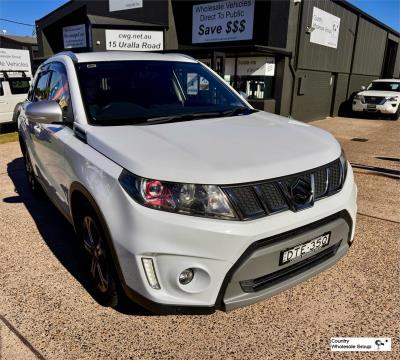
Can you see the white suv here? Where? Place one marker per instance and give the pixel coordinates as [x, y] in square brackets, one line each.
[185, 197]
[381, 96]
[14, 88]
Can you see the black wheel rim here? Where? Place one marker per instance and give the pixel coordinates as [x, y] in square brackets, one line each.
[94, 245]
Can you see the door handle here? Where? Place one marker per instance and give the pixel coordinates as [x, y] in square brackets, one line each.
[37, 128]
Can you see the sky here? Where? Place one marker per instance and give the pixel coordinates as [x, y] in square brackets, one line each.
[27, 11]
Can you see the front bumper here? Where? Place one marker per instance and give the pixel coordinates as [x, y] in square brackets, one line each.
[389, 107]
[215, 249]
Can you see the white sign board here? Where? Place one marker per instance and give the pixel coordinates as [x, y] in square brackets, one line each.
[251, 66]
[116, 5]
[134, 40]
[230, 20]
[324, 28]
[15, 60]
[74, 36]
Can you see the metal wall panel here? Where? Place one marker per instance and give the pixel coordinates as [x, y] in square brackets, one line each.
[315, 103]
[318, 57]
[370, 49]
[340, 94]
[356, 81]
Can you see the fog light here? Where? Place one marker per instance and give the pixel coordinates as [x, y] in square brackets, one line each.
[186, 276]
[150, 273]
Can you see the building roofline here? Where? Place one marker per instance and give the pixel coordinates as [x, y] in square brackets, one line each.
[367, 16]
[54, 11]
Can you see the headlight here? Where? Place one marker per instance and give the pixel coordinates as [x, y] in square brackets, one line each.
[359, 97]
[188, 199]
[391, 98]
[343, 162]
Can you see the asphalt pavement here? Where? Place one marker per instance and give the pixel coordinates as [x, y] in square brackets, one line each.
[47, 311]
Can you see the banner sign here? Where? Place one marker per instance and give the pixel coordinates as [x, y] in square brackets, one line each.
[116, 5]
[324, 28]
[230, 20]
[15, 60]
[74, 36]
[251, 66]
[134, 40]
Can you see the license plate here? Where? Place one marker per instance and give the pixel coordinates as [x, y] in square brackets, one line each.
[304, 249]
[370, 106]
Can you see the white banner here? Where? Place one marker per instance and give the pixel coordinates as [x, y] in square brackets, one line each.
[15, 60]
[361, 344]
[230, 20]
[116, 5]
[251, 66]
[74, 36]
[134, 40]
[324, 28]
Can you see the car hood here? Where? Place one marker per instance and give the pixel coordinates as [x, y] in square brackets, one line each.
[225, 150]
[378, 93]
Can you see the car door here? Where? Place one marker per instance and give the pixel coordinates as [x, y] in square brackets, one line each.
[51, 138]
[6, 102]
[32, 129]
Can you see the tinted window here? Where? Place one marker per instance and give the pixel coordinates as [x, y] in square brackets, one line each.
[384, 86]
[19, 86]
[137, 90]
[59, 89]
[41, 90]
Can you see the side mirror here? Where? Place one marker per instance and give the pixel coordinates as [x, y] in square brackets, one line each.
[363, 87]
[243, 95]
[45, 112]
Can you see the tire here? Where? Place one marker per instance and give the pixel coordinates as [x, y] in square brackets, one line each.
[101, 268]
[34, 184]
[396, 115]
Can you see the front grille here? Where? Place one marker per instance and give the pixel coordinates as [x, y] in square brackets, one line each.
[263, 282]
[272, 196]
[376, 100]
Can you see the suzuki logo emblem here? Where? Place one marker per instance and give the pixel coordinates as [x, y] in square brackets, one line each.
[300, 193]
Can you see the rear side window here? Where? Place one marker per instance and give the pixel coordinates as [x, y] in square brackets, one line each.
[1, 88]
[19, 86]
[41, 91]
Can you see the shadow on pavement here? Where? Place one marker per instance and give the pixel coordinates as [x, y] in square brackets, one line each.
[57, 232]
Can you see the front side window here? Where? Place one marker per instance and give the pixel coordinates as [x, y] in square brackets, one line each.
[384, 86]
[19, 86]
[59, 88]
[136, 91]
[41, 90]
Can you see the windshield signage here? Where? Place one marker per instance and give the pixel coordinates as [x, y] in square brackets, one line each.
[324, 28]
[134, 40]
[74, 36]
[15, 60]
[223, 21]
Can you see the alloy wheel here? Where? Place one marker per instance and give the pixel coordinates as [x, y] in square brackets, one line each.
[94, 245]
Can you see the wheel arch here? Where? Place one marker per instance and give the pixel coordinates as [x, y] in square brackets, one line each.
[79, 193]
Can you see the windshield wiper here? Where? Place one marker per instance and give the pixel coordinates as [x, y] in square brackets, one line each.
[181, 117]
[238, 111]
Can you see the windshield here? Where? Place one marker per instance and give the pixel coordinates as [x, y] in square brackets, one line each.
[384, 86]
[139, 91]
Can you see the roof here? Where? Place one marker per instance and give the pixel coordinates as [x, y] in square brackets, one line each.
[367, 16]
[124, 56]
[22, 39]
[106, 20]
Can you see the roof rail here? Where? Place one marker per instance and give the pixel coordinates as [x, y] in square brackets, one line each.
[70, 54]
